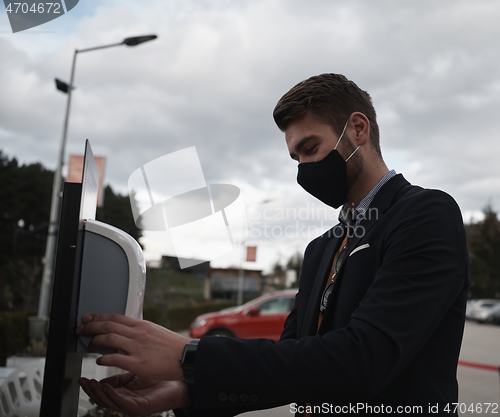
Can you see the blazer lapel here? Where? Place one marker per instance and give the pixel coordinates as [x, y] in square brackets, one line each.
[312, 311]
[383, 200]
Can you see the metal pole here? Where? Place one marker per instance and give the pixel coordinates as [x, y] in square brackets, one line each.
[99, 47]
[48, 268]
[241, 277]
[50, 249]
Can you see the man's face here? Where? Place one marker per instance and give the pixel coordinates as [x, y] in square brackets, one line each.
[309, 139]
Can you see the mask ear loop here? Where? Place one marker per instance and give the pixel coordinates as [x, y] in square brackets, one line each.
[340, 137]
[352, 153]
[342, 134]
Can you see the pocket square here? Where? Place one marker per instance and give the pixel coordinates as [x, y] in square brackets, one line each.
[366, 245]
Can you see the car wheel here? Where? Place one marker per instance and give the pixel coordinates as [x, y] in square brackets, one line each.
[220, 332]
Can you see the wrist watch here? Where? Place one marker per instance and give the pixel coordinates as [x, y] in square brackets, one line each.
[187, 360]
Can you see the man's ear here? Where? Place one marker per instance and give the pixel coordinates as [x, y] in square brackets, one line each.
[361, 126]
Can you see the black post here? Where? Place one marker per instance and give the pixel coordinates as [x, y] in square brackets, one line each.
[63, 365]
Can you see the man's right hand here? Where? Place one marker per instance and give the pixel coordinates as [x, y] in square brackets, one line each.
[136, 396]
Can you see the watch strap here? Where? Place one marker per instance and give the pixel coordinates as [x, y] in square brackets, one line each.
[188, 359]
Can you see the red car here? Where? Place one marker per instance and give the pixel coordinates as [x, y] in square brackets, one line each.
[261, 317]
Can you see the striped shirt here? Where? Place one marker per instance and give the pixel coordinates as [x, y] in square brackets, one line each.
[360, 211]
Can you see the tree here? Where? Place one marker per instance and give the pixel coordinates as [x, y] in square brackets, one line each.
[25, 197]
[484, 250]
[22, 277]
[24, 212]
[117, 212]
[24, 208]
[295, 263]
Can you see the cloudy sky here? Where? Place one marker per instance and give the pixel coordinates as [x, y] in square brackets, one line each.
[217, 69]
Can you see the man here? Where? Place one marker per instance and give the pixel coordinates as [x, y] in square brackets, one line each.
[378, 320]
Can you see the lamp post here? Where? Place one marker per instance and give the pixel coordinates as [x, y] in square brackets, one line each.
[43, 305]
[241, 274]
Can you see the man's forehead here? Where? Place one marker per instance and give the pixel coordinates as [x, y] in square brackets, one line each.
[307, 128]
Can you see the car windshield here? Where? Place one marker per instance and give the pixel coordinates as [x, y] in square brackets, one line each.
[256, 301]
[490, 305]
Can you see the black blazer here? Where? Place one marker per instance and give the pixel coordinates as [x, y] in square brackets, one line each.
[392, 331]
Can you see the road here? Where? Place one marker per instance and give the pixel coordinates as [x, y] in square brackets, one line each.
[481, 344]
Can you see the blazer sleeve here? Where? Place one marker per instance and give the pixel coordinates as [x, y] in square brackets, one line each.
[421, 275]
[290, 326]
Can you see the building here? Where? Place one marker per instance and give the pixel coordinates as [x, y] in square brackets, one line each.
[201, 270]
[223, 284]
[220, 283]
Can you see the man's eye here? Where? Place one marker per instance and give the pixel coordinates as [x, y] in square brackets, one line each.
[311, 150]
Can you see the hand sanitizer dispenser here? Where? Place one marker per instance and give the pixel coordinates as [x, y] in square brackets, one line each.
[113, 275]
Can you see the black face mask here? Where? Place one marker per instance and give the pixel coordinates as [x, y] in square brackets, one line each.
[326, 179]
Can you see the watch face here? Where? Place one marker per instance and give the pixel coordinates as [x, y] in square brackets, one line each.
[187, 360]
[189, 353]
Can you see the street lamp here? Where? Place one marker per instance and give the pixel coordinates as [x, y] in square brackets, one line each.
[241, 274]
[43, 305]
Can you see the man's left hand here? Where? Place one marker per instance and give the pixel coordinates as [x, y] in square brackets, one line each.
[135, 396]
[150, 351]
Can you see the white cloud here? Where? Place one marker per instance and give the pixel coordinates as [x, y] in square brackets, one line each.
[214, 74]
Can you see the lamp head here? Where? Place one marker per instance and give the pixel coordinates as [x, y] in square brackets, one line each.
[62, 86]
[136, 40]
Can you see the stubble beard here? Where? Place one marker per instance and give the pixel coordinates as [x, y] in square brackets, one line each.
[354, 167]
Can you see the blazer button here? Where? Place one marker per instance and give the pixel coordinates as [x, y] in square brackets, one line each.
[254, 398]
[243, 397]
[222, 396]
[233, 397]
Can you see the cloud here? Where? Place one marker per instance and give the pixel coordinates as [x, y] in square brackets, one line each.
[217, 69]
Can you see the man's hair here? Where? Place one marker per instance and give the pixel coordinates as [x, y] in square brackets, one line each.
[330, 97]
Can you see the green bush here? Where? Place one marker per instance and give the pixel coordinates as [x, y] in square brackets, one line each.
[155, 314]
[14, 326]
[13, 333]
[179, 318]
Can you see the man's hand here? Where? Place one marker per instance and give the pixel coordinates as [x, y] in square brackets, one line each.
[135, 396]
[150, 351]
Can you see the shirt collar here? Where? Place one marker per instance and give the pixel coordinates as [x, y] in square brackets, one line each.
[359, 212]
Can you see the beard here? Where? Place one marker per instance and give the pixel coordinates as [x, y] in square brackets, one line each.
[354, 166]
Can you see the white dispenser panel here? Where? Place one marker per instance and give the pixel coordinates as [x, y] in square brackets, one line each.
[113, 275]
